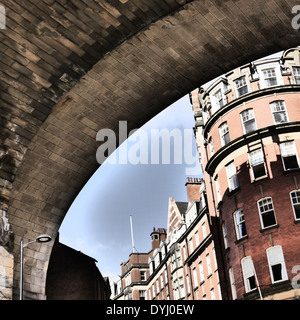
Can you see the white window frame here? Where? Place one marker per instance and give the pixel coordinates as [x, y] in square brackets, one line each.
[208, 263]
[218, 190]
[225, 235]
[296, 74]
[279, 107]
[223, 131]
[288, 149]
[211, 147]
[143, 275]
[232, 284]
[248, 116]
[232, 176]
[191, 245]
[184, 252]
[212, 294]
[201, 271]
[275, 257]
[241, 83]
[161, 280]
[219, 99]
[255, 161]
[142, 294]
[188, 284]
[266, 206]
[295, 201]
[261, 66]
[238, 224]
[181, 287]
[248, 272]
[269, 73]
[195, 277]
[204, 232]
[214, 101]
[166, 276]
[197, 238]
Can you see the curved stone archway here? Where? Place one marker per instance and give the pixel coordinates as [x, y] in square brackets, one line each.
[71, 68]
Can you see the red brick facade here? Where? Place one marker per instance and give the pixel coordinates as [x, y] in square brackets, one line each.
[251, 166]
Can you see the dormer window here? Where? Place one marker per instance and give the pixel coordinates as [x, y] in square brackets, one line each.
[155, 237]
[218, 96]
[241, 86]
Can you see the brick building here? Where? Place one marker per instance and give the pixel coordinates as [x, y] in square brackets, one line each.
[248, 136]
[73, 275]
[184, 261]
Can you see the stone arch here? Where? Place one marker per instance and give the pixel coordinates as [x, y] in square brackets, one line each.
[128, 61]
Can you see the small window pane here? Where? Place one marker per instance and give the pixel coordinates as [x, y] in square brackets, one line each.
[219, 98]
[295, 196]
[240, 224]
[224, 133]
[252, 284]
[270, 77]
[279, 112]
[296, 71]
[257, 164]
[267, 213]
[289, 155]
[248, 120]
[277, 272]
[241, 86]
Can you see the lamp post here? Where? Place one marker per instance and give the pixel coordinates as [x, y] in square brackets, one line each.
[43, 238]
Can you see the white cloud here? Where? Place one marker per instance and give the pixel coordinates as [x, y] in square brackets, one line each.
[82, 244]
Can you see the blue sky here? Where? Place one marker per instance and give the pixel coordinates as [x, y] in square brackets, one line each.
[98, 222]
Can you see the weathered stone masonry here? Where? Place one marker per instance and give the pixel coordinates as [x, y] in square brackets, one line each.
[69, 68]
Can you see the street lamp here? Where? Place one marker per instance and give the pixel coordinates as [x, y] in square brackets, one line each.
[43, 238]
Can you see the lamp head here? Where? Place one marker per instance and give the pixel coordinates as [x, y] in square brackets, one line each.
[43, 238]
